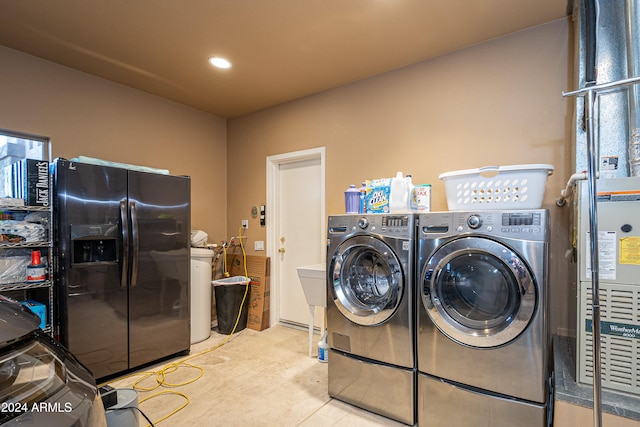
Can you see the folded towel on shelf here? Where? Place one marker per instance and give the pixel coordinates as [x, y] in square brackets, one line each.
[22, 231]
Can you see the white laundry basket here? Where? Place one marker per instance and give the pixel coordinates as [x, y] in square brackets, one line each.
[497, 187]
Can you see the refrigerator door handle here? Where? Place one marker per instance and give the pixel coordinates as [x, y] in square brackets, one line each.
[125, 243]
[135, 242]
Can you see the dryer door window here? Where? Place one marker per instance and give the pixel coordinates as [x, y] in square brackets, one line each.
[366, 280]
[478, 292]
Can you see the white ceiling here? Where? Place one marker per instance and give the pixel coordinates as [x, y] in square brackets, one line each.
[280, 49]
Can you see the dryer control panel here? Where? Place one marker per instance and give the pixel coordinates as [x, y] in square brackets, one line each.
[521, 218]
[528, 225]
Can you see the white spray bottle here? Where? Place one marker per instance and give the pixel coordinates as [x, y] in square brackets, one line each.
[323, 348]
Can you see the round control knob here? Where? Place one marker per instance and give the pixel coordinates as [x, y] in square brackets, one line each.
[363, 223]
[626, 228]
[474, 221]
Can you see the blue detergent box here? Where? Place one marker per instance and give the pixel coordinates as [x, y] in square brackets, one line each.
[39, 309]
[378, 195]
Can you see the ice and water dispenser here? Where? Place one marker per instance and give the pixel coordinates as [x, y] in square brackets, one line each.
[94, 243]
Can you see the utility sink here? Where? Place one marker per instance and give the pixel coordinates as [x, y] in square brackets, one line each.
[313, 280]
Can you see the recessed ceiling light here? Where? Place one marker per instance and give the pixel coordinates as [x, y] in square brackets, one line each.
[219, 62]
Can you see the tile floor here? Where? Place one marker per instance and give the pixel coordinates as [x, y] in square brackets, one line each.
[253, 379]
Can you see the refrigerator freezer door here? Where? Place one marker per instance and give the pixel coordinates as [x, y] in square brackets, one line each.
[92, 299]
[159, 210]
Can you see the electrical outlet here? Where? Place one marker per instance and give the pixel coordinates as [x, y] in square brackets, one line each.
[245, 223]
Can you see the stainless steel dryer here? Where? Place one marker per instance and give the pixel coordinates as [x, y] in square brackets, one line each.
[371, 313]
[483, 339]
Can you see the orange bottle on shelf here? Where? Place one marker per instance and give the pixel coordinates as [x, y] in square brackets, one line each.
[36, 271]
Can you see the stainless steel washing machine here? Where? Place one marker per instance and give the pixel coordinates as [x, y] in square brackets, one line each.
[371, 313]
[483, 342]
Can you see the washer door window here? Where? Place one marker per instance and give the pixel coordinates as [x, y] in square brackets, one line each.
[367, 281]
[478, 292]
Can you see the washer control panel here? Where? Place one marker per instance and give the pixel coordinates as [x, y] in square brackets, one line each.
[363, 223]
[394, 225]
[398, 225]
[395, 220]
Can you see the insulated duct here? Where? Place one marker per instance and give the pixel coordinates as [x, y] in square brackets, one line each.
[590, 28]
[611, 112]
[632, 24]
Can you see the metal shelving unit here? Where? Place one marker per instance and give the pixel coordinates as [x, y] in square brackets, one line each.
[27, 288]
[16, 146]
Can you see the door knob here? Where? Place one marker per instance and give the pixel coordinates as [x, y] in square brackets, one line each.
[281, 250]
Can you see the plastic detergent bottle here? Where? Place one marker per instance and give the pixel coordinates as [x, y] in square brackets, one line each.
[323, 348]
[409, 179]
[421, 198]
[362, 207]
[351, 199]
[399, 197]
[36, 271]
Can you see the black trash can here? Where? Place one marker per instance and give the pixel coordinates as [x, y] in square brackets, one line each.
[229, 293]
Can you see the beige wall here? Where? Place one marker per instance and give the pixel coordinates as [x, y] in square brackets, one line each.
[86, 115]
[497, 103]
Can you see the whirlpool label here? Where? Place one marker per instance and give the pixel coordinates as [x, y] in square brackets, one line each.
[615, 329]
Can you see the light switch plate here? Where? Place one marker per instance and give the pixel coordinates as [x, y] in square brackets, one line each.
[258, 245]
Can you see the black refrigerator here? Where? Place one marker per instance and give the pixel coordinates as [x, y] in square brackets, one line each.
[121, 265]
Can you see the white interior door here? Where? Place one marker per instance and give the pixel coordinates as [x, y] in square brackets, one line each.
[295, 230]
